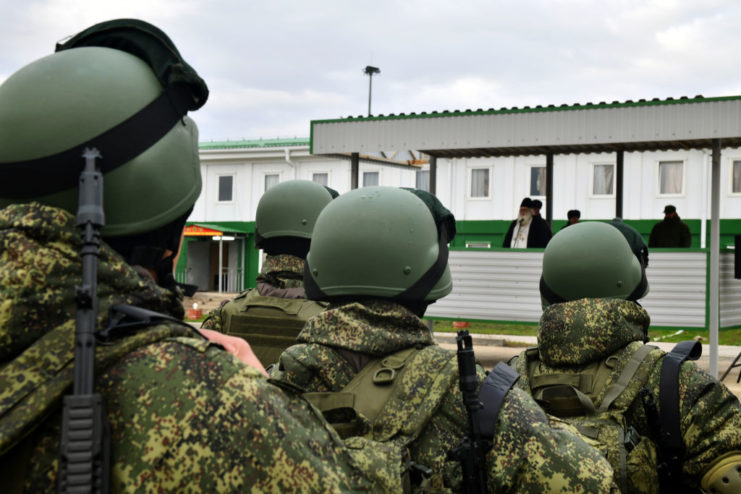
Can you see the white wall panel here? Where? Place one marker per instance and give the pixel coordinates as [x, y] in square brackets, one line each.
[730, 293]
[503, 286]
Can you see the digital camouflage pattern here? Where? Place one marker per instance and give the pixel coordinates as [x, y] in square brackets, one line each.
[281, 276]
[576, 333]
[184, 414]
[527, 456]
[282, 271]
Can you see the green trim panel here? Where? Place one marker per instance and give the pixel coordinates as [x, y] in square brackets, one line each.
[493, 231]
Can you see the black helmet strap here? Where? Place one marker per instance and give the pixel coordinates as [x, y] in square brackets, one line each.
[183, 91]
[118, 145]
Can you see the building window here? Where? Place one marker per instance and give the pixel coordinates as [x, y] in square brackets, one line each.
[480, 182]
[370, 179]
[422, 181]
[603, 181]
[537, 180]
[671, 174]
[320, 178]
[736, 178]
[226, 188]
[271, 180]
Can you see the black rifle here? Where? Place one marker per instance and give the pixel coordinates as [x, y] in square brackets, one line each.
[471, 453]
[84, 464]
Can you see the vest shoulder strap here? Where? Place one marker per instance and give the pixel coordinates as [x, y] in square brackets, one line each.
[626, 376]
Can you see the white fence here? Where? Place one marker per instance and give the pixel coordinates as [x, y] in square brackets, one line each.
[503, 286]
[730, 293]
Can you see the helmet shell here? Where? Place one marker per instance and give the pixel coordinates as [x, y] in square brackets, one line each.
[290, 209]
[591, 260]
[63, 100]
[375, 241]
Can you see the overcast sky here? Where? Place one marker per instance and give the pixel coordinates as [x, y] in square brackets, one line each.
[272, 66]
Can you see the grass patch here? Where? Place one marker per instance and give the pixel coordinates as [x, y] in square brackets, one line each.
[726, 337]
[490, 328]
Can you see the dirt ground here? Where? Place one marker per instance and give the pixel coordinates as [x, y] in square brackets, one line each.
[207, 301]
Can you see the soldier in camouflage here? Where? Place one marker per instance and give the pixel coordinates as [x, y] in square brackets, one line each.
[184, 415]
[271, 315]
[379, 255]
[590, 286]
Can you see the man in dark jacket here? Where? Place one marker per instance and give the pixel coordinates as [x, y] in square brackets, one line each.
[527, 230]
[671, 232]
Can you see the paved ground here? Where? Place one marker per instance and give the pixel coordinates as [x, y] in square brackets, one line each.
[491, 349]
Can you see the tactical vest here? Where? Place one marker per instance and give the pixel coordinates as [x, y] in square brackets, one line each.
[375, 402]
[269, 324]
[381, 401]
[34, 398]
[595, 400]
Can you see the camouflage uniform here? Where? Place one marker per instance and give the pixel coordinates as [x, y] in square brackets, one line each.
[574, 334]
[526, 456]
[281, 276]
[184, 414]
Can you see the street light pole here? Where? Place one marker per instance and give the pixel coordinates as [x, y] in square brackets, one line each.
[370, 70]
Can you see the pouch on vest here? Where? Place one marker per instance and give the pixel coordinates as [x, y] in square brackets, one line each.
[353, 410]
[573, 397]
[269, 324]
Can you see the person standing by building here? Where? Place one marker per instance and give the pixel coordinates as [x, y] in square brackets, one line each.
[671, 231]
[572, 217]
[539, 224]
[525, 231]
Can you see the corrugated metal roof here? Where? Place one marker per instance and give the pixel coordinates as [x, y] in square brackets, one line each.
[539, 108]
[643, 125]
[255, 143]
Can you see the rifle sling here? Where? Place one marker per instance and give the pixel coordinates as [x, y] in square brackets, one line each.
[491, 395]
[671, 442]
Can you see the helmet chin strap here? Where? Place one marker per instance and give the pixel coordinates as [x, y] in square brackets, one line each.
[154, 258]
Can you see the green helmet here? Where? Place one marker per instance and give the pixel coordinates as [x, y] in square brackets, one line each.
[590, 260]
[65, 100]
[289, 209]
[380, 242]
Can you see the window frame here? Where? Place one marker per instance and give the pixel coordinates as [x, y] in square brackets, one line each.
[530, 181]
[327, 173]
[683, 192]
[218, 187]
[469, 183]
[424, 169]
[362, 178]
[265, 176]
[730, 180]
[614, 179]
